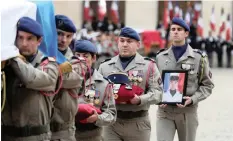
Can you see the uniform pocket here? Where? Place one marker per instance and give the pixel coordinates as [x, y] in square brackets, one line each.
[144, 125]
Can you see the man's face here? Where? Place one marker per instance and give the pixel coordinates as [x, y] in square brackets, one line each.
[27, 43]
[173, 84]
[127, 46]
[64, 39]
[178, 34]
[88, 57]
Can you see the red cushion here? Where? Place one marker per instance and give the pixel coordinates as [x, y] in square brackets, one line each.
[125, 94]
[86, 110]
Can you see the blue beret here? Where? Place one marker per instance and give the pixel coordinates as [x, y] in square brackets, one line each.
[29, 25]
[130, 33]
[85, 46]
[119, 78]
[181, 23]
[64, 23]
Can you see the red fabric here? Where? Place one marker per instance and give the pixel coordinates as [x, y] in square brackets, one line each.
[86, 110]
[125, 95]
[151, 36]
[222, 28]
[181, 82]
[86, 11]
[114, 12]
[228, 34]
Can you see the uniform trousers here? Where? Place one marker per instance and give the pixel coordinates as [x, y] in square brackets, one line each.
[168, 122]
[136, 129]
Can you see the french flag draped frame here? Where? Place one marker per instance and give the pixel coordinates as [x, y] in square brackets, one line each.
[41, 11]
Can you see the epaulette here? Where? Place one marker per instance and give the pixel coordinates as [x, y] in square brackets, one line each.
[149, 59]
[161, 50]
[106, 60]
[202, 53]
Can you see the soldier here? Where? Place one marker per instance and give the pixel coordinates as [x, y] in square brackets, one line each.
[219, 50]
[210, 46]
[65, 32]
[228, 52]
[181, 56]
[98, 94]
[133, 122]
[66, 101]
[31, 78]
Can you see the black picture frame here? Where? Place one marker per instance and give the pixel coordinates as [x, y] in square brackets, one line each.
[173, 92]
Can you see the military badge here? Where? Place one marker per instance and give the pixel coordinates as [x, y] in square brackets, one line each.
[159, 81]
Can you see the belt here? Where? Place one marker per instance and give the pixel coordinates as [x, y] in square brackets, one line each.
[85, 127]
[55, 127]
[131, 114]
[25, 131]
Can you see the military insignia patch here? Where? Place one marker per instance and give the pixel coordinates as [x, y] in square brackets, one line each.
[210, 74]
[159, 81]
[60, 23]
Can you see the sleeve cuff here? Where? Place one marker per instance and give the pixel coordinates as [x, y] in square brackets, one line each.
[143, 99]
[194, 100]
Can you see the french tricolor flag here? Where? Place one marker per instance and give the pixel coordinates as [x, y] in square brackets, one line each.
[41, 11]
[166, 82]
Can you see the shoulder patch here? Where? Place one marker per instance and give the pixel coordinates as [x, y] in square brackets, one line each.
[149, 59]
[202, 53]
[106, 60]
[161, 50]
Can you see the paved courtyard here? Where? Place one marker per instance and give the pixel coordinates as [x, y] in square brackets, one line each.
[215, 113]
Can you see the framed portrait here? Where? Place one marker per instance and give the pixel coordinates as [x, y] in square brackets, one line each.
[174, 86]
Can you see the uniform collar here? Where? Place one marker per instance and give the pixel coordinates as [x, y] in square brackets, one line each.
[68, 54]
[188, 53]
[37, 59]
[138, 59]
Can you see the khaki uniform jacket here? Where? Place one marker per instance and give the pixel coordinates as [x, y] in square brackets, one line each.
[25, 105]
[98, 83]
[69, 54]
[197, 91]
[139, 63]
[66, 101]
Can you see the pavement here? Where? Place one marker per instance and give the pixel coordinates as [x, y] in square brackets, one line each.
[215, 114]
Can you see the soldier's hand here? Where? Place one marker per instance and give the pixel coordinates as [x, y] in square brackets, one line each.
[188, 101]
[136, 100]
[93, 118]
[163, 105]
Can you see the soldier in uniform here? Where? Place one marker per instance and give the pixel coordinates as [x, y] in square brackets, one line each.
[98, 93]
[181, 56]
[219, 50]
[133, 122]
[31, 78]
[65, 33]
[66, 101]
[210, 46]
[228, 52]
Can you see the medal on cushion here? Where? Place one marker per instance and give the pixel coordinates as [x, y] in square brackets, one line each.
[116, 88]
[97, 97]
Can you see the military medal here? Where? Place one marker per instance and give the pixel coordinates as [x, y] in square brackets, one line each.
[140, 79]
[97, 101]
[115, 96]
[116, 88]
[140, 76]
